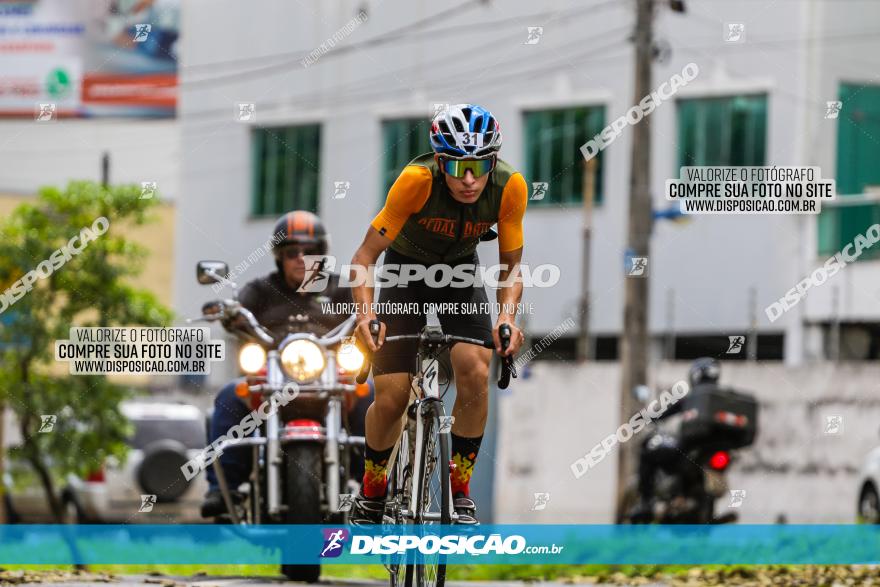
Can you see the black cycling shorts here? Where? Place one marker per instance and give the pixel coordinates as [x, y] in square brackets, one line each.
[400, 356]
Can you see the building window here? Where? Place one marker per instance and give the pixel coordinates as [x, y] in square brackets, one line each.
[403, 141]
[286, 169]
[553, 140]
[858, 151]
[722, 131]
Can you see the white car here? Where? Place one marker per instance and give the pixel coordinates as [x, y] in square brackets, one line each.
[869, 489]
[148, 488]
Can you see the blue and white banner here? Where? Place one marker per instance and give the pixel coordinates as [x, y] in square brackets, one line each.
[488, 544]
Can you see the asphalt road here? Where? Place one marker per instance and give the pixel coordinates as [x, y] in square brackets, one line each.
[162, 581]
[760, 576]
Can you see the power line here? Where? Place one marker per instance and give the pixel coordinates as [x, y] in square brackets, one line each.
[284, 66]
[710, 21]
[393, 34]
[344, 97]
[756, 45]
[501, 65]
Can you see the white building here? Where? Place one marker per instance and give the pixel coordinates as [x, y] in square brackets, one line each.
[37, 154]
[345, 115]
[80, 99]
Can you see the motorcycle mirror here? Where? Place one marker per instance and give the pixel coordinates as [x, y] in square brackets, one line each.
[208, 272]
[642, 393]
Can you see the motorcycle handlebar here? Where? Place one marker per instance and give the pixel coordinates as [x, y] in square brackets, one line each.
[254, 326]
[228, 310]
[339, 333]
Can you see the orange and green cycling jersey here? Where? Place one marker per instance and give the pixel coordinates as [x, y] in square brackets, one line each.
[426, 223]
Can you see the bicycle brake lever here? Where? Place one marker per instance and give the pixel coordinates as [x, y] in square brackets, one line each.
[507, 367]
[504, 334]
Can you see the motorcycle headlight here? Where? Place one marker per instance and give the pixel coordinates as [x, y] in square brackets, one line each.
[303, 360]
[349, 357]
[251, 358]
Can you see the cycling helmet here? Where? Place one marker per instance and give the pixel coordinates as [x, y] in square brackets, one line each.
[465, 131]
[704, 370]
[299, 228]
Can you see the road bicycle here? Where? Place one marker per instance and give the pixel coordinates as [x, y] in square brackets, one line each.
[419, 490]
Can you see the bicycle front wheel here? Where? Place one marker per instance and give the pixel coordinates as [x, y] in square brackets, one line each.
[399, 491]
[432, 493]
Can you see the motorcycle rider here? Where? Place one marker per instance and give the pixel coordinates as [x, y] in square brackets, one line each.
[274, 300]
[664, 450]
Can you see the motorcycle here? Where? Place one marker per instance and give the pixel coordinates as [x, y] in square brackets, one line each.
[688, 454]
[303, 449]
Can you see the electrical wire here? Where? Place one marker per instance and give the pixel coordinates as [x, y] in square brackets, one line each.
[349, 97]
[394, 34]
[286, 66]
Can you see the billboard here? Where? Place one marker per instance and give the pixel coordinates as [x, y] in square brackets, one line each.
[89, 57]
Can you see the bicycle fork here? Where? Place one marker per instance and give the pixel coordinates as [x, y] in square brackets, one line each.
[424, 408]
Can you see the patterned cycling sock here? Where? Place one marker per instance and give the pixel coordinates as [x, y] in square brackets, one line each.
[375, 465]
[464, 455]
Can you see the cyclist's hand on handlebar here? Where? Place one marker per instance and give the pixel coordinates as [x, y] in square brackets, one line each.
[516, 339]
[365, 336]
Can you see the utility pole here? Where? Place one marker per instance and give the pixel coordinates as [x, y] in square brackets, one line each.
[752, 338]
[585, 350]
[105, 169]
[669, 347]
[634, 347]
[834, 329]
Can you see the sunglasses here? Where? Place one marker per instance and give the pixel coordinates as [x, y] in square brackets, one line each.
[294, 251]
[458, 167]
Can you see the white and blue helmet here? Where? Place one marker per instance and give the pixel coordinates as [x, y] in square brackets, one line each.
[465, 131]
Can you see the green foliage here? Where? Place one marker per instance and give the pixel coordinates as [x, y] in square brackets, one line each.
[89, 289]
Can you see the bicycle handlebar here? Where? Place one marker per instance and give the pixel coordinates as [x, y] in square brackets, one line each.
[507, 367]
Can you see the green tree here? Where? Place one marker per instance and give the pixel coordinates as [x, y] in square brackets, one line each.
[92, 288]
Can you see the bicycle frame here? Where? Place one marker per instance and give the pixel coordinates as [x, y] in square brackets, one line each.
[427, 382]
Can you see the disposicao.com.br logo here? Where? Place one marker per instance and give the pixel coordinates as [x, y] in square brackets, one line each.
[334, 542]
[437, 275]
[431, 544]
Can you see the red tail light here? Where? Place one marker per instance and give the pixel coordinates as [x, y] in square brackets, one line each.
[719, 460]
[96, 476]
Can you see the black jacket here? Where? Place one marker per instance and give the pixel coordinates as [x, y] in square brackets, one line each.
[273, 302]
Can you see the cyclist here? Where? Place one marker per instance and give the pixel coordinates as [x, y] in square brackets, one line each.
[273, 300]
[441, 206]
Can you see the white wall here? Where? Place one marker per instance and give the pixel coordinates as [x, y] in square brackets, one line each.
[557, 415]
[36, 154]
